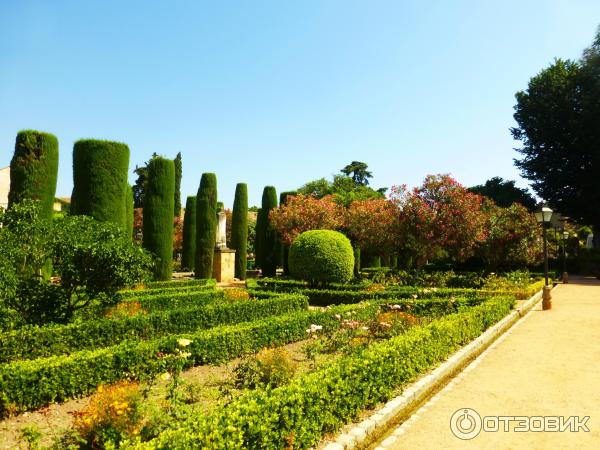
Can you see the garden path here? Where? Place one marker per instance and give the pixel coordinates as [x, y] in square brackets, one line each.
[547, 365]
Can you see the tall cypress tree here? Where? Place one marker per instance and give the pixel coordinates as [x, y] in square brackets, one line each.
[285, 249]
[258, 239]
[158, 215]
[188, 257]
[206, 225]
[178, 175]
[100, 180]
[270, 244]
[239, 229]
[34, 169]
[129, 211]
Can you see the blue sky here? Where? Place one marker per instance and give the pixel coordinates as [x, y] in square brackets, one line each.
[280, 93]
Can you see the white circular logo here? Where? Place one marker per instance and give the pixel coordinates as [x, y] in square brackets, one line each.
[465, 423]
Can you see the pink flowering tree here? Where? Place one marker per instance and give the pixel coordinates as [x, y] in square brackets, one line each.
[304, 212]
[440, 218]
[370, 224]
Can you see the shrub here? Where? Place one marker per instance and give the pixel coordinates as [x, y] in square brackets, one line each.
[129, 211]
[283, 199]
[206, 282]
[271, 367]
[100, 180]
[34, 169]
[158, 215]
[322, 257]
[188, 256]
[206, 225]
[270, 246]
[239, 229]
[112, 414]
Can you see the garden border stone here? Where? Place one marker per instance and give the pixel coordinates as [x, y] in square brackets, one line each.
[400, 408]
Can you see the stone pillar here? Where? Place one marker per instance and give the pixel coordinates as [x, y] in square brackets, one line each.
[224, 265]
[547, 298]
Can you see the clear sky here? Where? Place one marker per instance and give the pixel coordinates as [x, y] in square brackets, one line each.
[283, 92]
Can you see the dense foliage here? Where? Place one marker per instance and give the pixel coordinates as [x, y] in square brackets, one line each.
[268, 251]
[100, 180]
[178, 175]
[34, 169]
[158, 215]
[322, 257]
[206, 225]
[188, 257]
[557, 117]
[504, 193]
[239, 229]
[371, 225]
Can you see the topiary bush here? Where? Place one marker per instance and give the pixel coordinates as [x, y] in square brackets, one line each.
[158, 215]
[239, 229]
[269, 251]
[100, 180]
[206, 225]
[322, 257]
[188, 255]
[34, 169]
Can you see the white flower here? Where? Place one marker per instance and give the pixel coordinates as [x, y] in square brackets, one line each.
[183, 342]
[314, 328]
[415, 296]
[364, 328]
[338, 317]
[395, 306]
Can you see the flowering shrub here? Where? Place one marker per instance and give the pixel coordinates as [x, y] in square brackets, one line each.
[236, 294]
[371, 225]
[303, 213]
[125, 309]
[113, 413]
[270, 367]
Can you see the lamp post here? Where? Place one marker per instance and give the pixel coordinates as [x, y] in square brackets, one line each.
[565, 275]
[543, 216]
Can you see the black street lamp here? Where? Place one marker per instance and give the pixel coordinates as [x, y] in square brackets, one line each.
[543, 217]
[565, 275]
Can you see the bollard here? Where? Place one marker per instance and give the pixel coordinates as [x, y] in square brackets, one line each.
[547, 298]
[565, 277]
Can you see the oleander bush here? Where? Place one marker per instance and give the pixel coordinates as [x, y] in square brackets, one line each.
[322, 401]
[36, 342]
[321, 257]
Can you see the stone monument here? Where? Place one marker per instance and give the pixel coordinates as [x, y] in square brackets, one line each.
[224, 260]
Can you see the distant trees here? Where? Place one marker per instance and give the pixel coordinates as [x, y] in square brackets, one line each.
[504, 193]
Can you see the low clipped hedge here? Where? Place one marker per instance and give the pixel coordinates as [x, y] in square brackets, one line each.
[133, 293]
[36, 342]
[321, 402]
[177, 299]
[30, 384]
[287, 285]
[208, 282]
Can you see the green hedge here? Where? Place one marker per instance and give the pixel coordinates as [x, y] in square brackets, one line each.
[239, 230]
[34, 170]
[181, 283]
[177, 299]
[188, 254]
[206, 225]
[321, 402]
[100, 180]
[268, 253]
[31, 384]
[159, 194]
[36, 342]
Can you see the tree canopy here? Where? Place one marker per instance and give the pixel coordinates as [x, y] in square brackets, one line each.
[504, 193]
[557, 117]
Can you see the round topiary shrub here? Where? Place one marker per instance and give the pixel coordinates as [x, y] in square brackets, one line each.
[321, 257]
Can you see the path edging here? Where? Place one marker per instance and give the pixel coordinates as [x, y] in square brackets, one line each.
[401, 407]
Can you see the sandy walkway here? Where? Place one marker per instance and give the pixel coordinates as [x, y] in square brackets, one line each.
[549, 365]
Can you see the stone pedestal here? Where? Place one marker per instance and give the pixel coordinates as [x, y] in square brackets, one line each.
[547, 298]
[224, 265]
[565, 278]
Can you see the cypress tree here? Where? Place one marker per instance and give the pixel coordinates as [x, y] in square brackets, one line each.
[129, 211]
[100, 180]
[178, 174]
[285, 249]
[34, 169]
[270, 245]
[206, 225]
[188, 257]
[239, 229]
[158, 215]
[258, 239]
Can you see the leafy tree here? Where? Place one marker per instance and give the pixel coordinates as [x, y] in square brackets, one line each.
[270, 246]
[343, 189]
[178, 175]
[439, 218]
[93, 260]
[557, 117]
[504, 193]
[360, 174]
[302, 213]
[371, 225]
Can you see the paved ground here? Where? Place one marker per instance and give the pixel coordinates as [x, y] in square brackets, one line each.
[548, 365]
